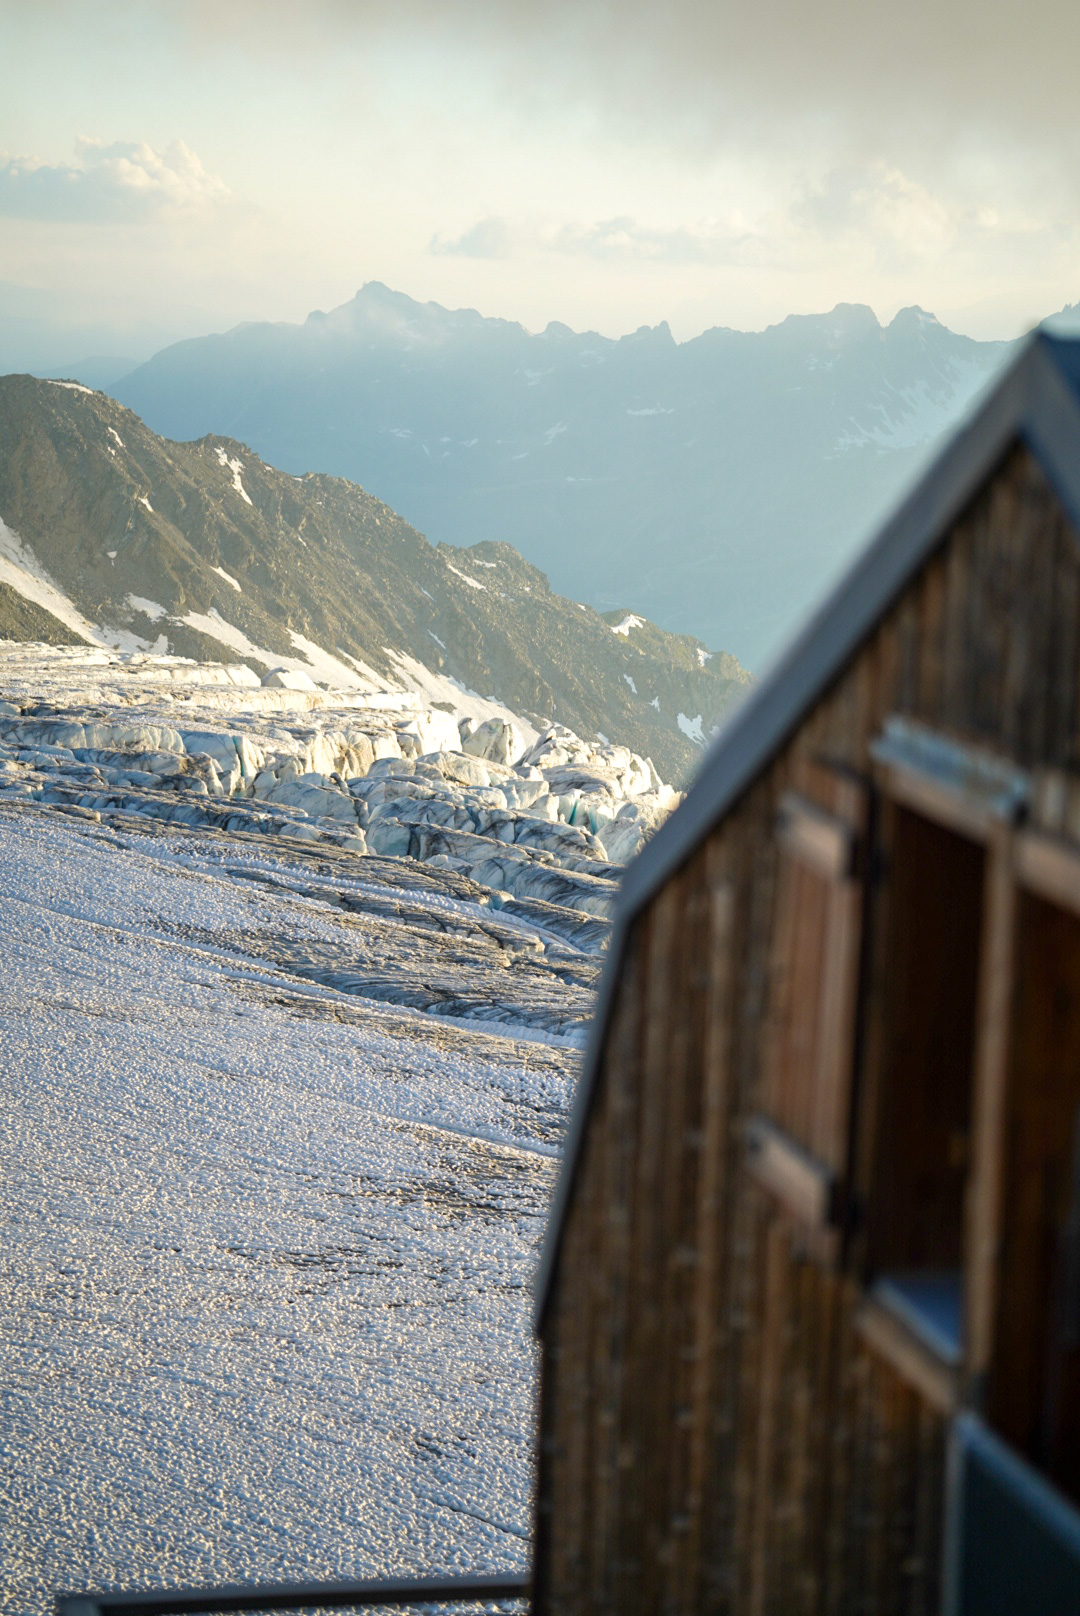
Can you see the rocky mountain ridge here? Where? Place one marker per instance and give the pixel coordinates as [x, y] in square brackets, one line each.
[111, 535]
[718, 484]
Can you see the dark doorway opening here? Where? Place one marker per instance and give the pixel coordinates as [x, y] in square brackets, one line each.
[933, 924]
[1034, 1388]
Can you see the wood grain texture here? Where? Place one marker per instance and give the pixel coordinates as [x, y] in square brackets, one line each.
[717, 1433]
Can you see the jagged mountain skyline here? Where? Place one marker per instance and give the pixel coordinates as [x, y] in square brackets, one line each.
[176, 169]
[717, 485]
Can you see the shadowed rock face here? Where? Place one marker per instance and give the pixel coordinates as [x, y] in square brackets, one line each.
[201, 550]
[716, 484]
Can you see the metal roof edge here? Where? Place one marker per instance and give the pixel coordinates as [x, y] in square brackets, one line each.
[1031, 400]
[1053, 421]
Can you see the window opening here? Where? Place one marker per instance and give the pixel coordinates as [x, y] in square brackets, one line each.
[915, 1235]
[1034, 1382]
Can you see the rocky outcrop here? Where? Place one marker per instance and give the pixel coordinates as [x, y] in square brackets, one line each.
[112, 536]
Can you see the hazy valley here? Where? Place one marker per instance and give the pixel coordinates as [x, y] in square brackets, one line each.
[716, 485]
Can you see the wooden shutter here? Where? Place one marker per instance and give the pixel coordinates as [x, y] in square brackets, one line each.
[799, 1141]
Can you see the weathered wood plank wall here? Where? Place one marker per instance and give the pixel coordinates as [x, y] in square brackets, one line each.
[715, 1434]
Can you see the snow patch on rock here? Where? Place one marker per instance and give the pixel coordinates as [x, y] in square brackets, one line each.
[213, 625]
[331, 670]
[149, 608]
[443, 689]
[916, 414]
[473, 583]
[21, 571]
[236, 466]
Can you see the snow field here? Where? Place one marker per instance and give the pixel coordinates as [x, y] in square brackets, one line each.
[264, 1280]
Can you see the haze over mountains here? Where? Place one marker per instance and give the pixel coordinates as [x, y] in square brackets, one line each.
[110, 535]
[716, 484]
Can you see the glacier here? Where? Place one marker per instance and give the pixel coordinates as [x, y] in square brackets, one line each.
[296, 984]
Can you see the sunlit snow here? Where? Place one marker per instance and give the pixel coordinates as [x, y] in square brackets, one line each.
[21, 571]
[472, 582]
[236, 466]
[295, 986]
[441, 688]
[149, 608]
[313, 661]
[264, 1296]
[691, 728]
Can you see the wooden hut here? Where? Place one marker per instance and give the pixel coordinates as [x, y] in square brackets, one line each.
[810, 1302]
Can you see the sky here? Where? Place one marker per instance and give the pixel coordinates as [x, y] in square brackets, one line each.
[168, 168]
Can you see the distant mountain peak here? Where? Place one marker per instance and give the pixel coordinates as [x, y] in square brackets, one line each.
[719, 482]
[378, 310]
[846, 320]
[652, 333]
[915, 317]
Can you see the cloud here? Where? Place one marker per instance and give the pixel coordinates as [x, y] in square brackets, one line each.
[724, 69]
[127, 182]
[488, 238]
[709, 242]
[872, 217]
[622, 237]
[882, 204]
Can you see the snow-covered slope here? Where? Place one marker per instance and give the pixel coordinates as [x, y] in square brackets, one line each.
[113, 536]
[268, 1233]
[301, 938]
[295, 982]
[716, 484]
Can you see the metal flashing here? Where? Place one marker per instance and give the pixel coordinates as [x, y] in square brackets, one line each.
[426, 1591]
[1012, 1540]
[1036, 401]
[990, 783]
